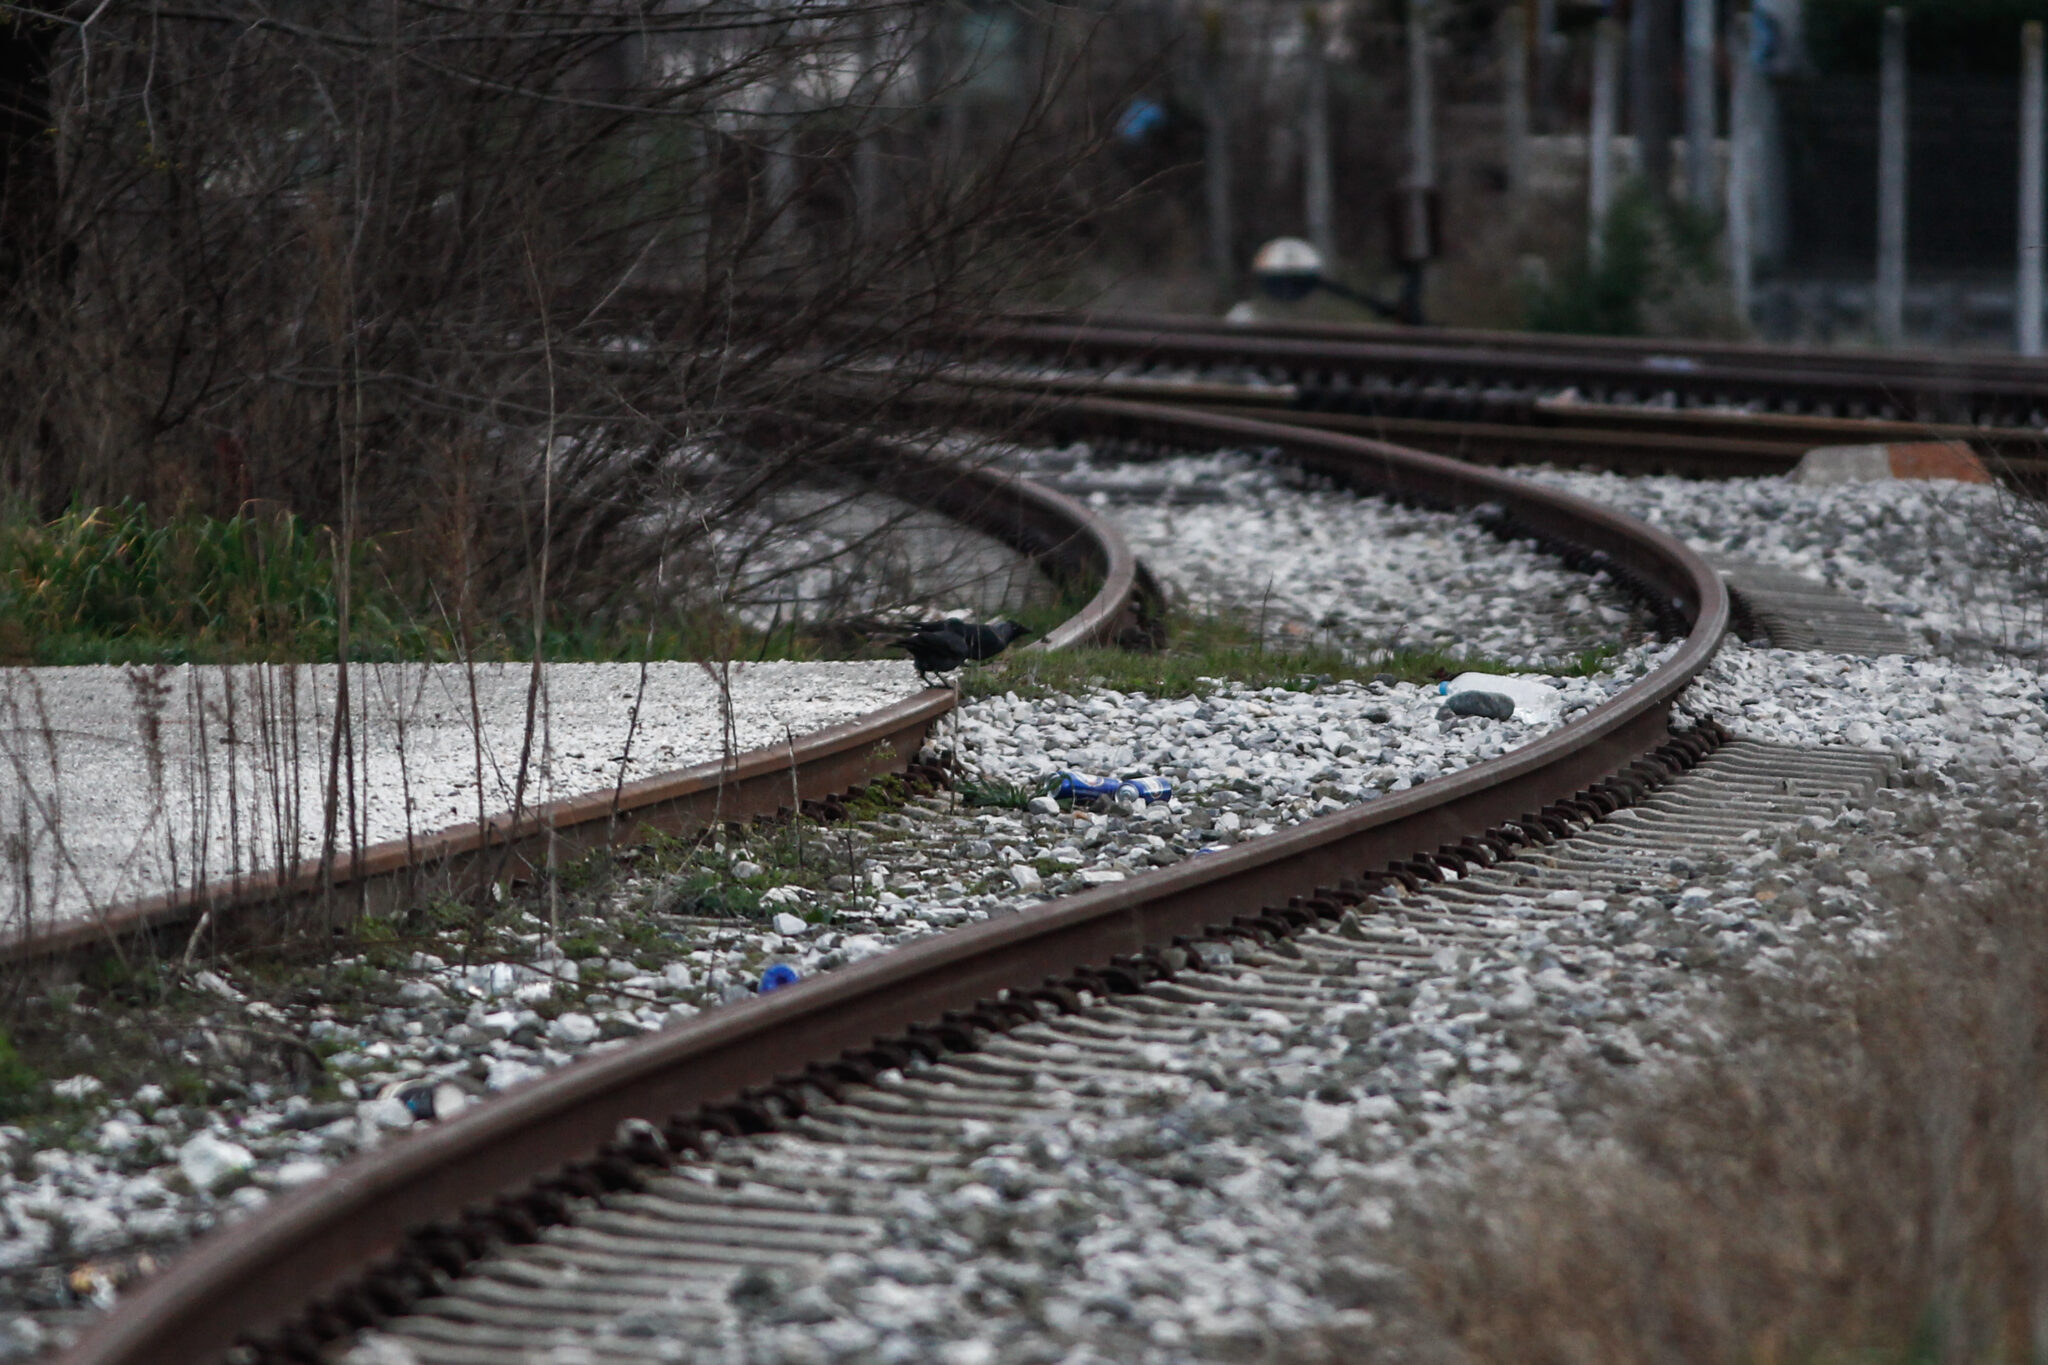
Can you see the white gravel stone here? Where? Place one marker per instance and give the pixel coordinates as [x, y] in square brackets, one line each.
[507, 1072]
[293, 1174]
[382, 1115]
[577, 1030]
[211, 1163]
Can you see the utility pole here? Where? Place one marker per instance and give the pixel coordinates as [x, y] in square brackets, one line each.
[1418, 208]
[1318, 208]
[1741, 161]
[1548, 42]
[1216, 151]
[867, 151]
[1891, 183]
[1514, 61]
[1600, 133]
[1654, 39]
[2027, 294]
[1699, 102]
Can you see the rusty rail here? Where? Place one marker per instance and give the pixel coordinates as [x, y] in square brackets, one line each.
[263, 1272]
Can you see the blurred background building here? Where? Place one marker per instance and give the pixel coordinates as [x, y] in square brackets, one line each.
[1261, 118]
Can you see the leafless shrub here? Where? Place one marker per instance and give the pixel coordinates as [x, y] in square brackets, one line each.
[1861, 1173]
[2009, 566]
[393, 265]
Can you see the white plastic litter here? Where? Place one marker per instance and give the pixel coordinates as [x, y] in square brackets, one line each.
[1534, 698]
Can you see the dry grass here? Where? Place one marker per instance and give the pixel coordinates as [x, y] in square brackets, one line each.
[1861, 1174]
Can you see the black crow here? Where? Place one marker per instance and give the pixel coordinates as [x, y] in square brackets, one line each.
[983, 641]
[938, 647]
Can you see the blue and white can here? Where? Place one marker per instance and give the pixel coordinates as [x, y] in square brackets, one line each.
[1146, 789]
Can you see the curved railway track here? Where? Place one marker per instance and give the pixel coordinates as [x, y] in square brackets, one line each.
[397, 1230]
[1068, 541]
[1714, 410]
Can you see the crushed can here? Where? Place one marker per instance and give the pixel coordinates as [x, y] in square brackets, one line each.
[1081, 787]
[1145, 789]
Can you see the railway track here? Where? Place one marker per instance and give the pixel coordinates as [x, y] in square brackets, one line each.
[410, 1221]
[625, 1209]
[676, 1255]
[1070, 543]
[1496, 398]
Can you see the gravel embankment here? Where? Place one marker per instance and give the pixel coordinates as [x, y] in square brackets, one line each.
[1952, 563]
[1234, 529]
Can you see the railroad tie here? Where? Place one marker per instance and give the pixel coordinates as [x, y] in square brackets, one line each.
[667, 1271]
[1794, 611]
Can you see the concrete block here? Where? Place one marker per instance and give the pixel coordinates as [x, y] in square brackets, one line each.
[1897, 460]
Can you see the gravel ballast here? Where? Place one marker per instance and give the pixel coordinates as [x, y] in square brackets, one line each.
[1236, 1204]
[1245, 531]
[1238, 1207]
[1961, 567]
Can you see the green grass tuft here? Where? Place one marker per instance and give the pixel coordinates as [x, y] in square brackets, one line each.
[1209, 650]
[110, 585]
[990, 792]
[21, 1086]
[107, 585]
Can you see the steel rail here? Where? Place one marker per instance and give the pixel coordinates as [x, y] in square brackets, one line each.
[1690, 444]
[1072, 543]
[1647, 352]
[1933, 392]
[1768, 432]
[267, 1269]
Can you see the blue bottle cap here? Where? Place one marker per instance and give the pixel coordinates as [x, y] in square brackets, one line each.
[778, 976]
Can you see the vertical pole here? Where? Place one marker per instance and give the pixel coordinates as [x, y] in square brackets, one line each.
[1421, 127]
[1548, 40]
[1514, 61]
[867, 151]
[2027, 294]
[1741, 204]
[1318, 209]
[1891, 183]
[1699, 102]
[1216, 152]
[1417, 233]
[1654, 38]
[1600, 135]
